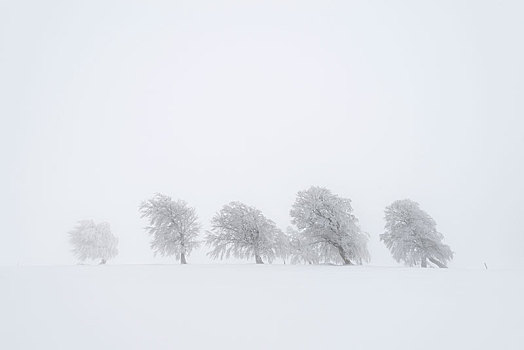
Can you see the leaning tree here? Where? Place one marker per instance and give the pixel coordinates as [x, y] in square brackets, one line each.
[412, 237]
[173, 224]
[243, 232]
[327, 227]
[93, 241]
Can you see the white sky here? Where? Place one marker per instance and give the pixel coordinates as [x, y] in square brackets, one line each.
[104, 103]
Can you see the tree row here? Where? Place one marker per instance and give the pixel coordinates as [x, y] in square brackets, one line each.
[325, 230]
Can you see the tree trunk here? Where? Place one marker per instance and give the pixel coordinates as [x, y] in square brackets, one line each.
[343, 256]
[347, 261]
[258, 259]
[438, 263]
[183, 259]
[424, 262]
[102, 262]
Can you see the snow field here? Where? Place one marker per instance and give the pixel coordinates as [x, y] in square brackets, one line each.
[259, 307]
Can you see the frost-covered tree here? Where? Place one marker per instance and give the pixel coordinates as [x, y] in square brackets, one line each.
[243, 232]
[92, 241]
[328, 228]
[412, 237]
[300, 250]
[173, 224]
[282, 246]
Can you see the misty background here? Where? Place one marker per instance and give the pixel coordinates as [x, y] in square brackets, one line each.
[104, 103]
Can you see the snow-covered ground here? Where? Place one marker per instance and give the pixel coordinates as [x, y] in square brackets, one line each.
[259, 307]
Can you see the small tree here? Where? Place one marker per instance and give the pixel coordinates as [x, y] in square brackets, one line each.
[282, 246]
[412, 237]
[173, 225]
[243, 232]
[300, 250]
[326, 223]
[92, 241]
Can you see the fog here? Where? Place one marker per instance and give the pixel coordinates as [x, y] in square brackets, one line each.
[105, 103]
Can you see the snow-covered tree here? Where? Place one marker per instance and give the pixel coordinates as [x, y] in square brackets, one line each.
[243, 232]
[173, 224]
[300, 250]
[328, 228]
[282, 246]
[92, 241]
[412, 237]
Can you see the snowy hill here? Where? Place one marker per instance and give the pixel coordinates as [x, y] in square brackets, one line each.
[259, 307]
